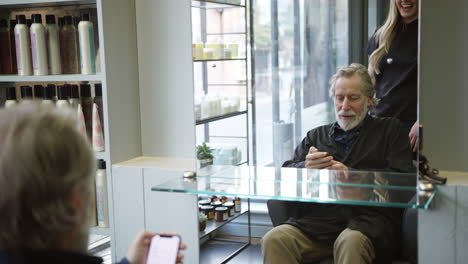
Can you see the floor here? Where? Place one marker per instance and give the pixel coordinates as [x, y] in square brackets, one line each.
[211, 252]
[214, 251]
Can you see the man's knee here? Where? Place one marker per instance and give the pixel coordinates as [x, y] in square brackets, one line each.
[278, 235]
[354, 241]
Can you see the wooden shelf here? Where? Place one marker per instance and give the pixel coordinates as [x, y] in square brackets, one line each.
[53, 78]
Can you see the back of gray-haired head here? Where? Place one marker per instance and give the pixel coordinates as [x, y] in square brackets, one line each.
[44, 158]
[348, 71]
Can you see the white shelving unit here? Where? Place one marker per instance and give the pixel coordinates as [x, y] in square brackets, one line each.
[116, 26]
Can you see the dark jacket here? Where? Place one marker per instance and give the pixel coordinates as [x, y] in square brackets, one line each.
[51, 257]
[382, 144]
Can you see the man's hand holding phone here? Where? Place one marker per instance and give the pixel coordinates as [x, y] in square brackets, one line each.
[156, 248]
[317, 160]
[322, 160]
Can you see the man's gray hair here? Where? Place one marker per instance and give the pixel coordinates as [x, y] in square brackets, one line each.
[43, 159]
[348, 71]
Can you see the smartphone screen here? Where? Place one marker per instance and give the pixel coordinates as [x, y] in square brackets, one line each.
[163, 249]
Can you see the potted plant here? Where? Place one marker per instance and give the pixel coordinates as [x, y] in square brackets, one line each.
[202, 221]
[204, 155]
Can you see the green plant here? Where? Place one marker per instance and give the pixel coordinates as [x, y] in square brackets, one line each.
[202, 217]
[204, 152]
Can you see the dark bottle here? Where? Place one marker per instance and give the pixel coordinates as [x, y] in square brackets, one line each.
[51, 88]
[6, 58]
[39, 92]
[12, 45]
[26, 92]
[62, 96]
[69, 47]
[10, 97]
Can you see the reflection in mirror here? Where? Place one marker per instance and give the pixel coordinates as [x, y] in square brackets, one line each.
[299, 46]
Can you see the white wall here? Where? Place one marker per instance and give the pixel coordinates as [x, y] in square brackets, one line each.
[166, 77]
[443, 82]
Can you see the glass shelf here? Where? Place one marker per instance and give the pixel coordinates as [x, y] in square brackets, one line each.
[384, 189]
[212, 225]
[234, 59]
[216, 118]
[215, 4]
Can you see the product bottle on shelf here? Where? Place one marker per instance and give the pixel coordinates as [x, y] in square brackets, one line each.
[6, 58]
[87, 106]
[101, 195]
[38, 46]
[53, 91]
[13, 46]
[60, 22]
[98, 102]
[48, 95]
[69, 47]
[74, 99]
[26, 92]
[10, 97]
[22, 43]
[39, 92]
[86, 39]
[98, 132]
[93, 214]
[62, 95]
[76, 21]
[52, 30]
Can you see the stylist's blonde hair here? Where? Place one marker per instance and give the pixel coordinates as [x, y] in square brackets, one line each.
[384, 35]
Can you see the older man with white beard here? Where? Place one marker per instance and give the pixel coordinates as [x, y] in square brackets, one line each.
[349, 234]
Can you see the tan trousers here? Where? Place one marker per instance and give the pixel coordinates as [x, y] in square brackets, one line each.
[286, 244]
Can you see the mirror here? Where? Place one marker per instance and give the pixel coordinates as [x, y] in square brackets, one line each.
[295, 48]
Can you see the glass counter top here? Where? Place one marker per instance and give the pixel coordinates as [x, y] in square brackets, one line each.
[385, 189]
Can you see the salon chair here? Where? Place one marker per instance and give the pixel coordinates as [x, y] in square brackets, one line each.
[280, 211]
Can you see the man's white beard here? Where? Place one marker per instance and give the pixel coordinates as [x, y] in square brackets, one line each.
[350, 124]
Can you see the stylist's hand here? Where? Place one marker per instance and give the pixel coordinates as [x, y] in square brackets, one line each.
[413, 136]
[138, 251]
[317, 160]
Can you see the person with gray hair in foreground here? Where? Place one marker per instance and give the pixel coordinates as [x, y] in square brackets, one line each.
[47, 170]
[349, 234]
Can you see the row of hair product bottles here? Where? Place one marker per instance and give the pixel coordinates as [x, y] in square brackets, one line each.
[79, 98]
[52, 48]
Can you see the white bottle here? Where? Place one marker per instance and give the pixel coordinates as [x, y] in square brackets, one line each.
[38, 46]
[53, 45]
[10, 97]
[101, 195]
[23, 51]
[86, 39]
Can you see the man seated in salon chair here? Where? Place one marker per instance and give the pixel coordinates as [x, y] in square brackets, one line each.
[356, 141]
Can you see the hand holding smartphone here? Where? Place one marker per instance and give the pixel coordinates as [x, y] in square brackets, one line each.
[163, 249]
